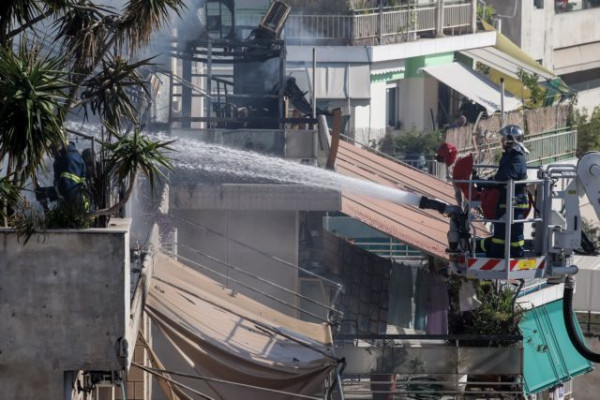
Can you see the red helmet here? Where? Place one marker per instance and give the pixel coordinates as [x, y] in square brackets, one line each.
[446, 153]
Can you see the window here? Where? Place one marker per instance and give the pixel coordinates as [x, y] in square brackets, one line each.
[538, 3]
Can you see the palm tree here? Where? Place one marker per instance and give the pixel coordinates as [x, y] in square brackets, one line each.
[31, 108]
[10, 192]
[129, 155]
[80, 66]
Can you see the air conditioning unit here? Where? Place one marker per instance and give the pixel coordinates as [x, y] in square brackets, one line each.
[275, 17]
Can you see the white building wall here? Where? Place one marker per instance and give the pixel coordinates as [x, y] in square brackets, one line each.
[367, 122]
[417, 97]
[534, 21]
[576, 28]
[588, 100]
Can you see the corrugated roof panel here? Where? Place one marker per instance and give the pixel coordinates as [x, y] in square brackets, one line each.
[425, 230]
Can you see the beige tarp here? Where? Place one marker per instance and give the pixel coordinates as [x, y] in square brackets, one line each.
[235, 338]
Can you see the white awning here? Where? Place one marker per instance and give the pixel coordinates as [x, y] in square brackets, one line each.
[473, 85]
[505, 63]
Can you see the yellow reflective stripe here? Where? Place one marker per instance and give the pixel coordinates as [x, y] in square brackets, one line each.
[516, 206]
[482, 244]
[518, 243]
[73, 177]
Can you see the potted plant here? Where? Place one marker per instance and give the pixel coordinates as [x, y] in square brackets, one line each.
[411, 146]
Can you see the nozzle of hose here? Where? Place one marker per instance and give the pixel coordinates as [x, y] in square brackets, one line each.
[430, 204]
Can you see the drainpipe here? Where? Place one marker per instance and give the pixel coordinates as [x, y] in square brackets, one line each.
[314, 82]
[473, 16]
[440, 18]
[380, 22]
[335, 138]
[502, 101]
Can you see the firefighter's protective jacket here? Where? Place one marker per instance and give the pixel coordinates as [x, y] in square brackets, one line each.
[512, 167]
[69, 174]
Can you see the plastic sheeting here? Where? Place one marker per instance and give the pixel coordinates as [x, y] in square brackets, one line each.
[231, 337]
[549, 355]
[587, 296]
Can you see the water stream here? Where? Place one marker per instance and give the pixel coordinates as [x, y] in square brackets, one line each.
[209, 163]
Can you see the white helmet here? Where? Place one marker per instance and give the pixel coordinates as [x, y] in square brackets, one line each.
[513, 136]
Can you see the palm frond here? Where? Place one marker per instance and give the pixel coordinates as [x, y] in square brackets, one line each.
[138, 153]
[85, 30]
[113, 92]
[31, 105]
[142, 17]
[17, 12]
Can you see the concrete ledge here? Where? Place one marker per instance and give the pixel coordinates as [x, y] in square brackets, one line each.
[254, 197]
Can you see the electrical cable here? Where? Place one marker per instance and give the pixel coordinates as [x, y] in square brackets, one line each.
[260, 324]
[268, 296]
[123, 394]
[158, 372]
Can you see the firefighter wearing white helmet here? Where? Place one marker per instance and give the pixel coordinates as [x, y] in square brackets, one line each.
[512, 166]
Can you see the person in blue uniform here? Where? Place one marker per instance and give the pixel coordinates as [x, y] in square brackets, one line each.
[513, 167]
[69, 179]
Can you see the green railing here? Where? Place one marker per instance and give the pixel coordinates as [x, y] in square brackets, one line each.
[544, 148]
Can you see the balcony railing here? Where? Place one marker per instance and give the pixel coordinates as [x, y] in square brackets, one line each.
[547, 147]
[426, 367]
[373, 26]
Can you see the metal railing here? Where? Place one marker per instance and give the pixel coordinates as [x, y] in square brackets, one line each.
[544, 148]
[371, 24]
[389, 248]
[249, 282]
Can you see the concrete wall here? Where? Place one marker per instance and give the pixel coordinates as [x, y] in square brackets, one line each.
[576, 28]
[64, 303]
[417, 96]
[369, 122]
[218, 234]
[533, 21]
[588, 99]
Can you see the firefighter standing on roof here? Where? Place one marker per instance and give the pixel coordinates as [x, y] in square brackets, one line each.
[512, 167]
[69, 179]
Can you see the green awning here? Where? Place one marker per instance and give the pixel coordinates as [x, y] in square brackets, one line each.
[548, 355]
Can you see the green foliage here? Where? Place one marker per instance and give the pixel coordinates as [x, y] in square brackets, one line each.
[39, 89]
[497, 314]
[68, 216]
[530, 81]
[410, 142]
[109, 92]
[10, 193]
[588, 131]
[485, 13]
[31, 107]
[26, 221]
[137, 152]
